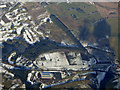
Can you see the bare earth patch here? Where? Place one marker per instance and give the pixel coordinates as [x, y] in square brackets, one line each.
[107, 9]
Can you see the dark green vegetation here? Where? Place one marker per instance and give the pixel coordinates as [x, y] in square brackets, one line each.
[31, 51]
[44, 46]
[17, 45]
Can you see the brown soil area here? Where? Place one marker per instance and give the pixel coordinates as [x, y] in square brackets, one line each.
[56, 33]
[106, 8]
[35, 9]
[63, 16]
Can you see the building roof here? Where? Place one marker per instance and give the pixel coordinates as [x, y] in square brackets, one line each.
[46, 75]
[5, 19]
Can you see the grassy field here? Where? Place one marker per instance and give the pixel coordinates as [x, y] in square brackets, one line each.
[86, 14]
[56, 33]
[113, 22]
[105, 9]
[80, 10]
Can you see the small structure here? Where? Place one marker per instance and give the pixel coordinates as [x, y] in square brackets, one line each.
[5, 19]
[2, 6]
[47, 75]
[52, 59]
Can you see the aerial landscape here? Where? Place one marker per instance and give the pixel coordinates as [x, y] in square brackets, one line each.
[59, 45]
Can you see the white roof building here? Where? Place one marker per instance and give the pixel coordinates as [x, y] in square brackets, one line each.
[2, 22]
[3, 6]
[53, 59]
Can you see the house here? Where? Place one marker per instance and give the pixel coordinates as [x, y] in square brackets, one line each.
[5, 19]
[2, 6]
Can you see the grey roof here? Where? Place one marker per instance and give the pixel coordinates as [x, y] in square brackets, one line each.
[5, 19]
